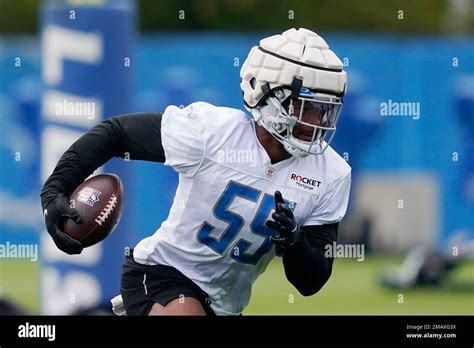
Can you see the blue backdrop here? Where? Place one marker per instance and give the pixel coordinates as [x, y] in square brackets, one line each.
[181, 68]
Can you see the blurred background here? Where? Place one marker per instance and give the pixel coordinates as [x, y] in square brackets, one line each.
[407, 130]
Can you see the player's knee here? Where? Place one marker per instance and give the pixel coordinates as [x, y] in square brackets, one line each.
[178, 306]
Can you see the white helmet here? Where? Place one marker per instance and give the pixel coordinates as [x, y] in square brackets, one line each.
[297, 64]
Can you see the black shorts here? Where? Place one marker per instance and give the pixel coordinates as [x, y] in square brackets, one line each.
[142, 286]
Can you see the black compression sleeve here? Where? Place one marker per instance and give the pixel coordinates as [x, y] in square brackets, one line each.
[133, 136]
[306, 266]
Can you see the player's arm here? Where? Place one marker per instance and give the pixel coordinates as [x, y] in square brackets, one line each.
[306, 265]
[133, 136]
[136, 136]
[302, 248]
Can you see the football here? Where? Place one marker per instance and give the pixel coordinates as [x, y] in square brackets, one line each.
[99, 200]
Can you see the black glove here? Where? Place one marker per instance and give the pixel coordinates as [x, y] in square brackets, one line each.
[54, 214]
[288, 231]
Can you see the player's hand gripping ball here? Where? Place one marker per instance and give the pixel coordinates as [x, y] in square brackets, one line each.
[90, 214]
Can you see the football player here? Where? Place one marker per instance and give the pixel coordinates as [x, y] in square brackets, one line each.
[231, 214]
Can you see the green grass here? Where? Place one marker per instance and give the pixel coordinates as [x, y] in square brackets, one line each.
[19, 283]
[352, 290]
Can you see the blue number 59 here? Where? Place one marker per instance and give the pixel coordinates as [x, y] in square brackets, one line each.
[235, 223]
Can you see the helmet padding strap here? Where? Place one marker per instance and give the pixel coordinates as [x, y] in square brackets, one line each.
[296, 87]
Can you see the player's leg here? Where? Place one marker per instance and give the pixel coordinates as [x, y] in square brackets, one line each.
[160, 290]
[179, 306]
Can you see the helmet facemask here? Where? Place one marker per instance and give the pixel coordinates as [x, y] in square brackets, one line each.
[300, 121]
[296, 64]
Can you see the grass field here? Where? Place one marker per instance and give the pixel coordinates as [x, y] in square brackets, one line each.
[352, 290]
[19, 283]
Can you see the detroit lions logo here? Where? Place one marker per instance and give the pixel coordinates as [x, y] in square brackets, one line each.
[291, 205]
[305, 91]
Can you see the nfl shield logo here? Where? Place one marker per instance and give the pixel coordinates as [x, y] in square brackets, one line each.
[88, 195]
[269, 171]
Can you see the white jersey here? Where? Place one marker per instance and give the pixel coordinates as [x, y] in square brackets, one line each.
[215, 233]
